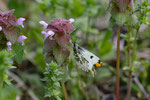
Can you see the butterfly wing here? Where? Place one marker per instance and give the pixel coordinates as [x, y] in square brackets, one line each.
[85, 59]
[80, 60]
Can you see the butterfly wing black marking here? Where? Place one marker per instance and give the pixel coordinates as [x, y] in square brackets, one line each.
[85, 59]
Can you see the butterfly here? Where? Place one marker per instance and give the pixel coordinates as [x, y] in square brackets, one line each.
[85, 59]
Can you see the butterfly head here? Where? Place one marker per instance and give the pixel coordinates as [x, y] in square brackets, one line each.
[98, 64]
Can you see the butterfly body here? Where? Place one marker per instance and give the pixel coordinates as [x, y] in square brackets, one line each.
[85, 59]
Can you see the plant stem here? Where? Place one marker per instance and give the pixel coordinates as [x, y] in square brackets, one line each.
[65, 91]
[118, 64]
[130, 74]
[129, 86]
[132, 63]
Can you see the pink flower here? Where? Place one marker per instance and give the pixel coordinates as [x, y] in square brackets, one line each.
[0, 28]
[21, 39]
[20, 22]
[44, 24]
[9, 45]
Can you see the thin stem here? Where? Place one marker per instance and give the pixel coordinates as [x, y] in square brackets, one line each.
[147, 96]
[134, 47]
[118, 64]
[65, 91]
[132, 63]
[130, 74]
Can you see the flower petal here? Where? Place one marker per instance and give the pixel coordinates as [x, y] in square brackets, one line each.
[0, 28]
[44, 24]
[50, 34]
[45, 34]
[20, 21]
[9, 45]
[21, 39]
[61, 26]
[71, 20]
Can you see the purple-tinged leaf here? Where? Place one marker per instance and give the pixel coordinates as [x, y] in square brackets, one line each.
[11, 33]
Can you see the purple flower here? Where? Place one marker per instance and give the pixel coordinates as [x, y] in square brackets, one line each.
[21, 39]
[8, 23]
[57, 39]
[0, 28]
[9, 45]
[48, 34]
[20, 22]
[61, 26]
[122, 4]
[71, 20]
[45, 34]
[44, 24]
[7, 18]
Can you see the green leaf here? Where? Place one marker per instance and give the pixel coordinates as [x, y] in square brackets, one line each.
[105, 48]
[121, 18]
[57, 84]
[11, 33]
[18, 51]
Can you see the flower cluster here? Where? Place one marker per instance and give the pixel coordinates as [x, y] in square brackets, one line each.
[123, 4]
[8, 23]
[57, 39]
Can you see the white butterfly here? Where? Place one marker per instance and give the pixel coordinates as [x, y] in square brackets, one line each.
[85, 59]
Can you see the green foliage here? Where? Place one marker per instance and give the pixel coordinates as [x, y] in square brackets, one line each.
[79, 84]
[9, 93]
[18, 50]
[5, 65]
[143, 13]
[21, 7]
[53, 78]
[105, 46]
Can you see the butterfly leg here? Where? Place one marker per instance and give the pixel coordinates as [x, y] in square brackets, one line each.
[92, 72]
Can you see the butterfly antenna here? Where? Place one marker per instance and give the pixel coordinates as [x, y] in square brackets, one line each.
[74, 44]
